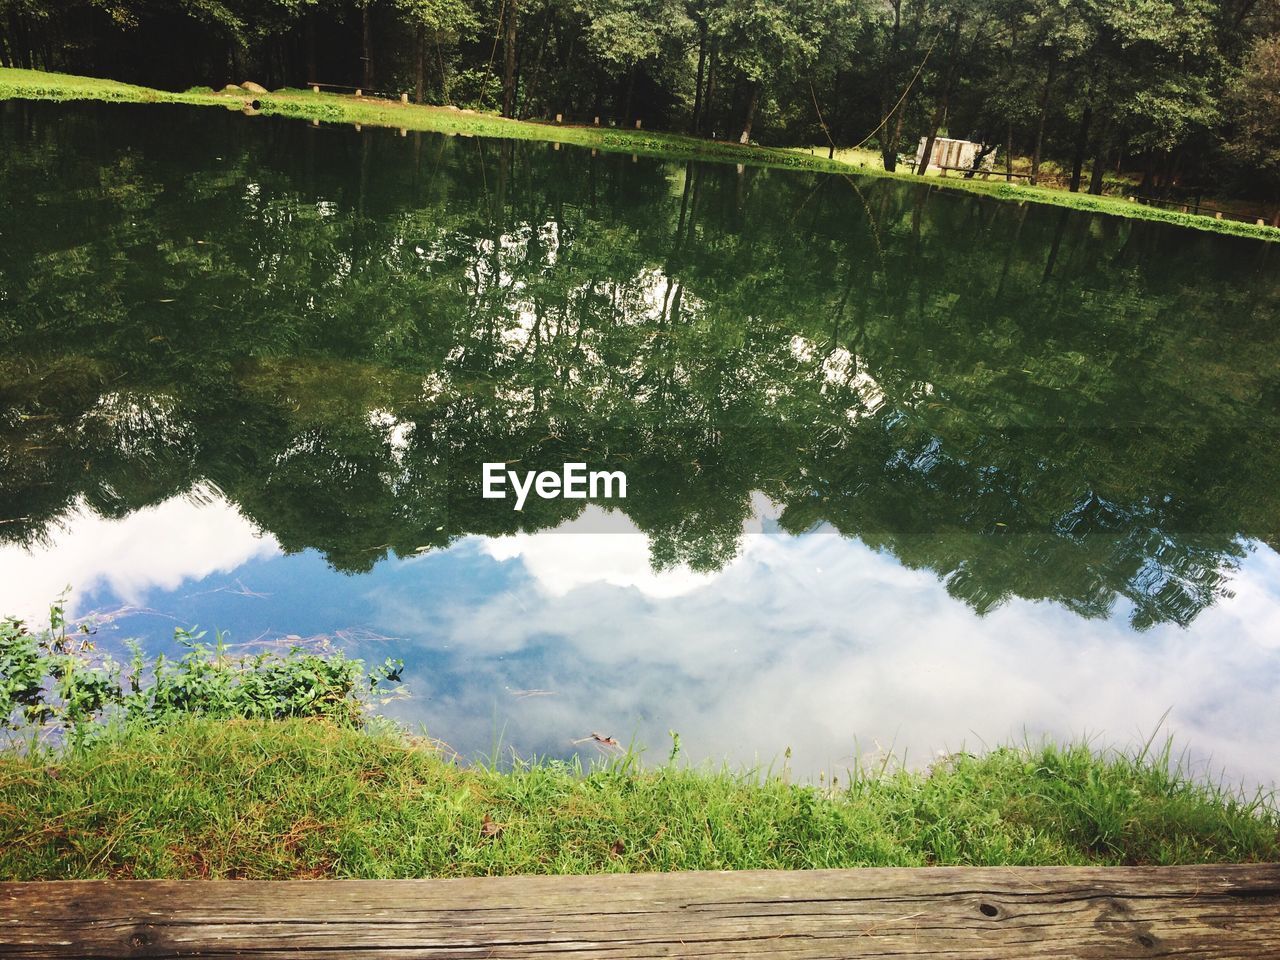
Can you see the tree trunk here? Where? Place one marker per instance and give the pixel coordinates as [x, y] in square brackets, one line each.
[535, 75]
[1044, 115]
[697, 87]
[708, 99]
[940, 110]
[889, 144]
[445, 97]
[366, 47]
[1175, 173]
[1099, 165]
[1008, 153]
[980, 157]
[419, 62]
[835, 110]
[751, 113]
[1145, 184]
[313, 75]
[16, 46]
[509, 66]
[1082, 140]
[631, 91]
[927, 157]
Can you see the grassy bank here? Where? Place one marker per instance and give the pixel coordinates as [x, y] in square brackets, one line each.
[377, 112]
[335, 108]
[307, 798]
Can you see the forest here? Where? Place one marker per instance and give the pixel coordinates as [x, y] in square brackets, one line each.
[1180, 96]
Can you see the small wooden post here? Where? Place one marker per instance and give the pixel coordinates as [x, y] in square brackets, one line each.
[404, 132]
[315, 88]
[637, 124]
[359, 92]
[1132, 199]
[595, 152]
[1218, 215]
[315, 123]
[1261, 222]
[556, 145]
[636, 159]
[358, 128]
[597, 121]
[559, 118]
[404, 98]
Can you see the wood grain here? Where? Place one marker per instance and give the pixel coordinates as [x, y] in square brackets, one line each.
[944, 913]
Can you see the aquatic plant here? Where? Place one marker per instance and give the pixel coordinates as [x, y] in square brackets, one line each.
[57, 678]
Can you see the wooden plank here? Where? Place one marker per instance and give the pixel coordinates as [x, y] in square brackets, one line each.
[1217, 912]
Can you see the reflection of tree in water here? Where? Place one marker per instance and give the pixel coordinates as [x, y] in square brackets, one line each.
[337, 331]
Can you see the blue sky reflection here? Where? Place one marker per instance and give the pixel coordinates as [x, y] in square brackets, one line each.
[815, 642]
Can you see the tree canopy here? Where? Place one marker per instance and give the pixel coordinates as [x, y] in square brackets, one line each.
[1178, 92]
[1026, 401]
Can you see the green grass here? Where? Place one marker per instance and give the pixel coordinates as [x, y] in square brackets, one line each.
[296, 798]
[337, 108]
[342, 108]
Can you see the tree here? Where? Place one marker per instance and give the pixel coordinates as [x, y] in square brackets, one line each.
[623, 35]
[508, 18]
[1254, 99]
[439, 23]
[763, 42]
[1147, 75]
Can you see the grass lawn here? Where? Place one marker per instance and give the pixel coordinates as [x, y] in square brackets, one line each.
[340, 108]
[304, 798]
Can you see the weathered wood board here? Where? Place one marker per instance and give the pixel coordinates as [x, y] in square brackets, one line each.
[942, 913]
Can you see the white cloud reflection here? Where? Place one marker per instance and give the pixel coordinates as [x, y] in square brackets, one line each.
[606, 547]
[156, 548]
[815, 643]
[820, 644]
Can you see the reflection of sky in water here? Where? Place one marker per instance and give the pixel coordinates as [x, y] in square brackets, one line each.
[813, 642]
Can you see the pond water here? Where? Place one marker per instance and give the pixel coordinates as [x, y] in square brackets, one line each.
[908, 470]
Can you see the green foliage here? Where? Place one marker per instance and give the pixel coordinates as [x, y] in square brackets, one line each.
[288, 799]
[1158, 85]
[1026, 402]
[765, 39]
[55, 678]
[1255, 108]
[624, 33]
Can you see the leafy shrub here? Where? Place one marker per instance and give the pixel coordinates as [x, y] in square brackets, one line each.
[56, 678]
[476, 88]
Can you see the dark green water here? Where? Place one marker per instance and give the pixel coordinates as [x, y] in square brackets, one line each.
[324, 334]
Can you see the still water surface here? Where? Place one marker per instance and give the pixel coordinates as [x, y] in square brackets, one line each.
[907, 470]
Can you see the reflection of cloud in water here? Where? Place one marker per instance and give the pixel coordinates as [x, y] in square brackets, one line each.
[613, 552]
[813, 642]
[823, 645]
[160, 547]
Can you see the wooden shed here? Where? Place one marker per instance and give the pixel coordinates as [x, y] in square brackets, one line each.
[953, 153]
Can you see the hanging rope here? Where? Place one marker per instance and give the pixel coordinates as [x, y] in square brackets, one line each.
[488, 70]
[825, 132]
[894, 108]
